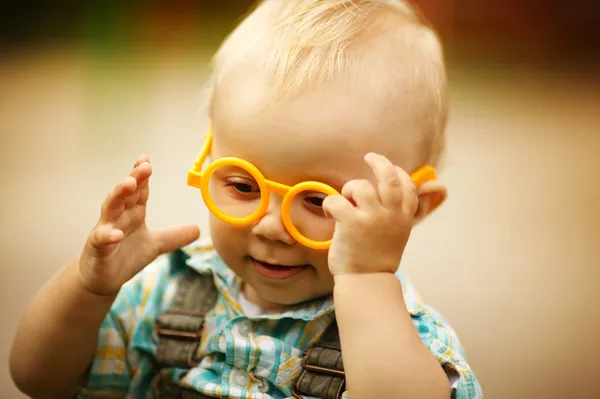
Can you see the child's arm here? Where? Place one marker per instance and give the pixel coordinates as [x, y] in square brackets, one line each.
[383, 355]
[56, 338]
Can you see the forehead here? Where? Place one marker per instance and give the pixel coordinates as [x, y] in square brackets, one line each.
[290, 161]
[321, 134]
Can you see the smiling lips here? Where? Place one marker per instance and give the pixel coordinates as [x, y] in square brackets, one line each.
[276, 272]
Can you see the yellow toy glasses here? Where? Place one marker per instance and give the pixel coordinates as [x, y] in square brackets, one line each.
[236, 192]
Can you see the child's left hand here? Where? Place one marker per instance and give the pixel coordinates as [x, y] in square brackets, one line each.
[370, 236]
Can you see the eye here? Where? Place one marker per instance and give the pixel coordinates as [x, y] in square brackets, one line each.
[243, 188]
[314, 201]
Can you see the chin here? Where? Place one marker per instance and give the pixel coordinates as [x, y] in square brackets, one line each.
[282, 295]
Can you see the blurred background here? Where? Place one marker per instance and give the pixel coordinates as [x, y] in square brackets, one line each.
[512, 259]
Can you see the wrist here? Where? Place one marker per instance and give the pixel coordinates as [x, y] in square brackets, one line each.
[366, 278]
[81, 286]
[365, 270]
[376, 297]
[373, 287]
[362, 264]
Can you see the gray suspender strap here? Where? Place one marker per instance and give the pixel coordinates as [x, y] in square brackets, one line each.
[323, 368]
[166, 388]
[179, 330]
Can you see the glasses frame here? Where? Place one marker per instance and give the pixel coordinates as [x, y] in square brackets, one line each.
[199, 178]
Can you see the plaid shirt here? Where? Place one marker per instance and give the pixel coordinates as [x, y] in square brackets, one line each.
[242, 357]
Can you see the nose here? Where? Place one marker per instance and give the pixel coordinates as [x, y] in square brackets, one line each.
[270, 226]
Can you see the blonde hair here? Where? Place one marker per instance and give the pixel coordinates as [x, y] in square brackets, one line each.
[304, 43]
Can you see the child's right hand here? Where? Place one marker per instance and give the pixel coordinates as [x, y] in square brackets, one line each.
[121, 245]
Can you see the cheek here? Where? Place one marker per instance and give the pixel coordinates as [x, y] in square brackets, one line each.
[226, 236]
[325, 281]
[319, 260]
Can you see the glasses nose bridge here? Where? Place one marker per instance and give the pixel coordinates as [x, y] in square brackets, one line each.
[270, 222]
[280, 189]
[277, 188]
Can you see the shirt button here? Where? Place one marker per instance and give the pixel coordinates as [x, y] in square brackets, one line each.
[241, 377]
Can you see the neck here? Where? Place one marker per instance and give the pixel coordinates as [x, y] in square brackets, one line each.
[253, 296]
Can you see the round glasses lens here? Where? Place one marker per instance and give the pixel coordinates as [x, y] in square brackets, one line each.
[306, 214]
[234, 191]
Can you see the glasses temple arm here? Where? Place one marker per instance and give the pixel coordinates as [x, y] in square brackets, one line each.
[204, 152]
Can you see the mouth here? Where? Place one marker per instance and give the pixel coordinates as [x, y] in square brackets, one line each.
[276, 272]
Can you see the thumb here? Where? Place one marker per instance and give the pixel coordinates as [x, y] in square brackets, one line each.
[175, 237]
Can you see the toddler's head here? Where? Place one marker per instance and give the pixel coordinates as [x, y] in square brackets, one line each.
[303, 89]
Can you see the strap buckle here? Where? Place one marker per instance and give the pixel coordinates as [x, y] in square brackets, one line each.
[180, 323]
[179, 334]
[329, 371]
[310, 360]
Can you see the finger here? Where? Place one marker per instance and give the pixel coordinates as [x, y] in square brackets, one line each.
[176, 237]
[103, 236]
[338, 207]
[144, 171]
[114, 204]
[141, 173]
[141, 159]
[410, 199]
[389, 183]
[362, 193]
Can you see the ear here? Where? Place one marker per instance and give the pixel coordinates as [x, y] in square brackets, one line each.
[431, 195]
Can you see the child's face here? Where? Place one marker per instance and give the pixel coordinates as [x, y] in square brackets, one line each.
[320, 136]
